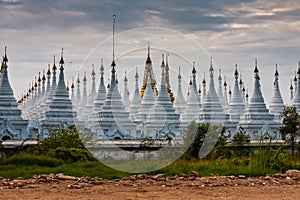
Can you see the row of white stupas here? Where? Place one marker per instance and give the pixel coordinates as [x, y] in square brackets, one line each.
[151, 112]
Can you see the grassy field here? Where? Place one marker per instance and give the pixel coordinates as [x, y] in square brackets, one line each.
[65, 153]
[26, 165]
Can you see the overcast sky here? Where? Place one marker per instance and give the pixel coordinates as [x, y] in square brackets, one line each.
[232, 31]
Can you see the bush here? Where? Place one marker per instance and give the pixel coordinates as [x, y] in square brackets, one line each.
[27, 160]
[68, 138]
[195, 133]
[71, 154]
[64, 144]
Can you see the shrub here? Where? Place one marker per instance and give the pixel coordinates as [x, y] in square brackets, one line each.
[27, 160]
[71, 154]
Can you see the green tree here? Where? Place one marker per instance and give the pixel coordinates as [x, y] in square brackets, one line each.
[290, 126]
[194, 136]
[64, 144]
[241, 139]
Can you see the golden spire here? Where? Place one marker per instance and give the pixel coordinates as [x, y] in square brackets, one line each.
[148, 69]
[167, 77]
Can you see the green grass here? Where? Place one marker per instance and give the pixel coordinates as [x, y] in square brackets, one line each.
[18, 166]
[26, 165]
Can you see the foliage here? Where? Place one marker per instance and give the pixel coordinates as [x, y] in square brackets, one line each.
[290, 129]
[268, 159]
[29, 159]
[221, 149]
[63, 152]
[195, 133]
[64, 144]
[241, 138]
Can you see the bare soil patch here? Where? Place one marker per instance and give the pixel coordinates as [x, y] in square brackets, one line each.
[59, 186]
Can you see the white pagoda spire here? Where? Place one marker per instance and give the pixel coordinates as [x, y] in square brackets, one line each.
[276, 105]
[73, 92]
[99, 100]
[163, 115]
[10, 114]
[192, 109]
[236, 105]
[36, 107]
[147, 101]
[53, 85]
[48, 80]
[220, 91]
[125, 97]
[180, 102]
[257, 116]
[84, 99]
[292, 91]
[78, 97]
[195, 83]
[295, 83]
[203, 87]
[8, 104]
[296, 99]
[61, 109]
[90, 101]
[113, 120]
[136, 99]
[225, 93]
[93, 89]
[211, 110]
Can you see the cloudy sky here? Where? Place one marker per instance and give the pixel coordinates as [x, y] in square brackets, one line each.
[232, 31]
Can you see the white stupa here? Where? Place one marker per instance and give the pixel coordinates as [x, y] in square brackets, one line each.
[53, 86]
[136, 99]
[60, 113]
[236, 106]
[220, 90]
[147, 102]
[203, 87]
[296, 99]
[162, 121]
[180, 103]
[225, 95]
[84, 99]
[100, 98]
[45, 91]
[90, 101]
[73, 93]
[125, 97]
[113, 121]
[78, 93]
[192, 109]
[98, 102]
[257, 121]
[211, 110]
[276, 106]
[12, 125]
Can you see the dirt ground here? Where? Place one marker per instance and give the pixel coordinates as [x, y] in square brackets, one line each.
[154, 192]
[156, 187]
